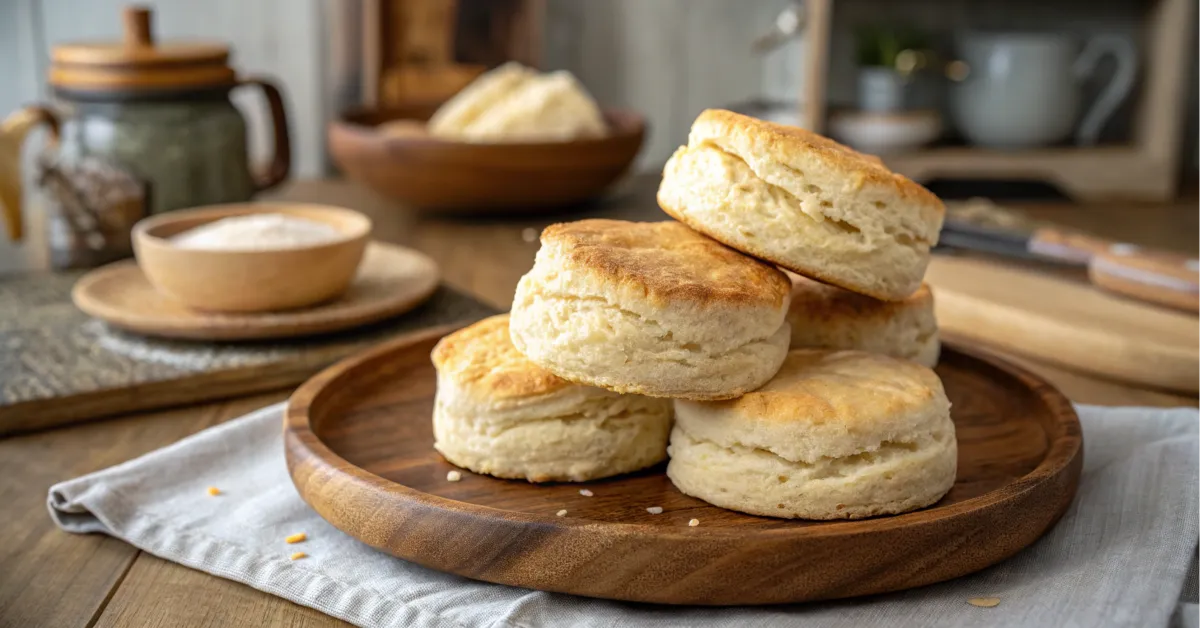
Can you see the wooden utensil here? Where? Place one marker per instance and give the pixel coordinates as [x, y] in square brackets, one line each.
[391, 281]
[1064, 321]
[358, 440]
[419, 57]
[434, 175]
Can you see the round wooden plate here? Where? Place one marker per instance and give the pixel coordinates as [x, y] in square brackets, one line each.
[391, 280]
[359, 441]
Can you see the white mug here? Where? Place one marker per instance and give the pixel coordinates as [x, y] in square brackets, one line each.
[1022, 90]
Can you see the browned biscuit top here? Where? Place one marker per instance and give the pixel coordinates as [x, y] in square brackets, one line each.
[816, 301]
[668, 261]
[793, 147]
[820, 386]
[482, 358]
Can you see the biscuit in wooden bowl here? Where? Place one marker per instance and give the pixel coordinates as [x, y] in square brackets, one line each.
[497, 413]
[652, 309]
[828, 317]
[803, 201]
[835, 435]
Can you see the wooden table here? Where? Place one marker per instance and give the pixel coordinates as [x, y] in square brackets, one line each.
[51, 578]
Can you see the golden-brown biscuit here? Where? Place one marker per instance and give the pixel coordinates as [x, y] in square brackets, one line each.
[650, 308]
[499, 414]
[828, 317]
[804, 202]
[835, 435]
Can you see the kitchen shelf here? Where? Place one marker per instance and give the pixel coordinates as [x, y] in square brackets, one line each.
[1086, 174]
[1146, 169]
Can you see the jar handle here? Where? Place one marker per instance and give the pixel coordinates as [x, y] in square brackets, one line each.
[12, 137]
[281, 161]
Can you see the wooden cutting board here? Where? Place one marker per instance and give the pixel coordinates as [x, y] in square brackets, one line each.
[359, 445]
[59, 366]
[1056, 316]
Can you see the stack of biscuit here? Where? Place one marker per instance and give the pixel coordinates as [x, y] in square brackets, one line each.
[798, 394]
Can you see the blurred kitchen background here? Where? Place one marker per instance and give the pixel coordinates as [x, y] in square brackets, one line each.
[668, 59]
[1061, 133]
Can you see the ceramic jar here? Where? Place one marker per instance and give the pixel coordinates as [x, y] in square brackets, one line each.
[136, 128]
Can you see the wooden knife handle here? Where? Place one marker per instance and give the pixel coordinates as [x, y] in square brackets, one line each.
[1158, 277]
[1067, 245]
[1147, 275]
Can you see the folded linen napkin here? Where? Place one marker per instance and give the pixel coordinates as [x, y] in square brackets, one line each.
[1119, 557]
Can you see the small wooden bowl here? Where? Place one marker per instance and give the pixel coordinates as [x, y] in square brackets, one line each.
[434, 174]
[250, 281]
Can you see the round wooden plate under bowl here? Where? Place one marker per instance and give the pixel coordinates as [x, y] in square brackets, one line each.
[390, 281]
[360, 451]
[432, 174]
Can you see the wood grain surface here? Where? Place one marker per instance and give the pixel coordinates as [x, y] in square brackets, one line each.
[55, 580]
[358, 438]
[1066, 322]
[390, 281]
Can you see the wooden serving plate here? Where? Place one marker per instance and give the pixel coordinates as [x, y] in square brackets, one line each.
[390, 281]
[359, 449]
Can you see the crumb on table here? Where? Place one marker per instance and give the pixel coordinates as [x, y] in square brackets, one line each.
[561, 513]
[297, 537]
[654, 510]
[585, 492]
[694, 522]
[214, 491]
[454, 476]
[299, 555]
[984, 602]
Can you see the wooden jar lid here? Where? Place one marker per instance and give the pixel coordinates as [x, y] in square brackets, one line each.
[138, 63]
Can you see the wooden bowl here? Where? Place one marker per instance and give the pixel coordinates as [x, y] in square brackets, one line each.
[435, 174]
[250, 281]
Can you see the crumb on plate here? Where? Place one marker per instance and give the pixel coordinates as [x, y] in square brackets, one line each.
[297, 537]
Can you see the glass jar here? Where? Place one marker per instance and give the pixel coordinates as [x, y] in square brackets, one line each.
[191, 152]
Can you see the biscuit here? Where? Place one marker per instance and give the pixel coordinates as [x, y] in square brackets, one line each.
[497, 413]
[553, 107]
[515, 104]
[828, 317]
[456, 114]
[652, 309]
[835, 435]
[804, 202]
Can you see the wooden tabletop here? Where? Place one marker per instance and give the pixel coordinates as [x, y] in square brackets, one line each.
[52, 578]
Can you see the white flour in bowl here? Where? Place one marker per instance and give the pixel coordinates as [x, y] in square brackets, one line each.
[257, 232]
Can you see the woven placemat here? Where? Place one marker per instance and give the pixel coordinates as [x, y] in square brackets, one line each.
[59, 366]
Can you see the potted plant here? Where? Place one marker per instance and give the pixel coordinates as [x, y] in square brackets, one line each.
[887, 56]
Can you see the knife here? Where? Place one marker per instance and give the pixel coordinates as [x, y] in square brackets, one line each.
[1149, 275]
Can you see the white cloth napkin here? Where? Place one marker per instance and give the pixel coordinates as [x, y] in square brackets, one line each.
[1119, 557]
